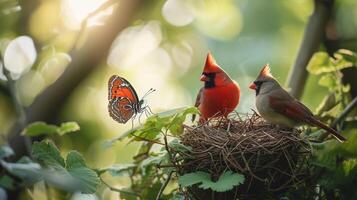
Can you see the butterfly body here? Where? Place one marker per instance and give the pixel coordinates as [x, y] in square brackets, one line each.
[123, 100]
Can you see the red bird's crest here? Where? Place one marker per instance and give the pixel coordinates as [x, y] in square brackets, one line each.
[211, 65]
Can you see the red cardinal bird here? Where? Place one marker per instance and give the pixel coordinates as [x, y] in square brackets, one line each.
[220, 94]
[276, 105]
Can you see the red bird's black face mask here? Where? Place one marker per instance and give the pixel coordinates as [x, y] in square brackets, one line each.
[209, 79]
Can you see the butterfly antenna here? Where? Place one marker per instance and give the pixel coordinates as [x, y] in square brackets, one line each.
[149, 92]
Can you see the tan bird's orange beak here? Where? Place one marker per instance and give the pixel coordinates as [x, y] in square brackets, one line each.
[204, 78]
[253, 86]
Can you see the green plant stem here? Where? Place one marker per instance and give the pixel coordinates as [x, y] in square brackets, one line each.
[116, 189]
[341, 117]
[19, 108]
[313, 36]
[164, 185]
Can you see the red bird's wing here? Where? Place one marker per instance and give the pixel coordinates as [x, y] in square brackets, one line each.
[281, 102]
[198, 102]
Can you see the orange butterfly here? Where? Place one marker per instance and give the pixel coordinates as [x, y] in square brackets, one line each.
[124, 103]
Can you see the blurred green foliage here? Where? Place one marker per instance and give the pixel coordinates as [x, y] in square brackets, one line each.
[166, 50]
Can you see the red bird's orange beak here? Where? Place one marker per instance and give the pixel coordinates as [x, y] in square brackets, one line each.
[204, 78]
[253, 86]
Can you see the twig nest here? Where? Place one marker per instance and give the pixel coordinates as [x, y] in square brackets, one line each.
[273, 160]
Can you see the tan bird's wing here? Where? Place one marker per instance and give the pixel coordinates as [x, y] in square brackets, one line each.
[281, 102]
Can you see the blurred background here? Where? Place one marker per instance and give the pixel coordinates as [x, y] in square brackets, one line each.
[154, 44]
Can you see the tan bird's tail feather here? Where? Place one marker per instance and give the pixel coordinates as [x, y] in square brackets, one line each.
[330, 130]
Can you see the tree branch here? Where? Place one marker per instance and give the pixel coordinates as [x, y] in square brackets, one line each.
[85, 60]
[313, 36]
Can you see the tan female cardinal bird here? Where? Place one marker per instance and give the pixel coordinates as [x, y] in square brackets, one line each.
[276, 105]
[220, 94]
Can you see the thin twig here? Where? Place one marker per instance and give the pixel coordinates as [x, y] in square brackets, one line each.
[164, 185]
[116, 189]
[345, 112]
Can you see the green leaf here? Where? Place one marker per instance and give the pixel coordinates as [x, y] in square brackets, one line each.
[47, 153]
[179, 147]
[76, 166]
[6, 151]
[329, 80]
[68, 127]
[119, 169]
[41, 128]
[321, 62]
[194, 178]
[7, 182]
[225, 182]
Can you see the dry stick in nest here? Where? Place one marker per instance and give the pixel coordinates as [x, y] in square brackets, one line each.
[259, 150]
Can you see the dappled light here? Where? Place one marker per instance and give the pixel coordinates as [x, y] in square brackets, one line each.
[169, 99]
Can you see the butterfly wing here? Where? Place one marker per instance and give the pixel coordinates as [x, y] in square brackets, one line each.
[120, 109]
[120, 87]
[123, 99]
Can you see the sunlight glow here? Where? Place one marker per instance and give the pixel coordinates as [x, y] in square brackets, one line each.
[75, 11]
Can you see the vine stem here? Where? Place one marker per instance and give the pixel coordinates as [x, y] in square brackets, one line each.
[164, 185]
[116, 189]
[18, 106]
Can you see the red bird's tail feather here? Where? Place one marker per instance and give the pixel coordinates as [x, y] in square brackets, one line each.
[330, 130]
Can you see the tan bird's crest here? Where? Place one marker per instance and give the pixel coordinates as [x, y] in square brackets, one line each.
[265, 72]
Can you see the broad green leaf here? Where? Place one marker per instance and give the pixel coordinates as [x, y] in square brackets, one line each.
[88, 178]
[225, 182]
[47, 153]
[6, 151]
[39, 128]
[68, 127]
[193, 178]
[119, 169]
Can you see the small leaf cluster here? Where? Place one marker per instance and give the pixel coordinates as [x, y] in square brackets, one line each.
[69, 174]
[334, 165]
[157, 155]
